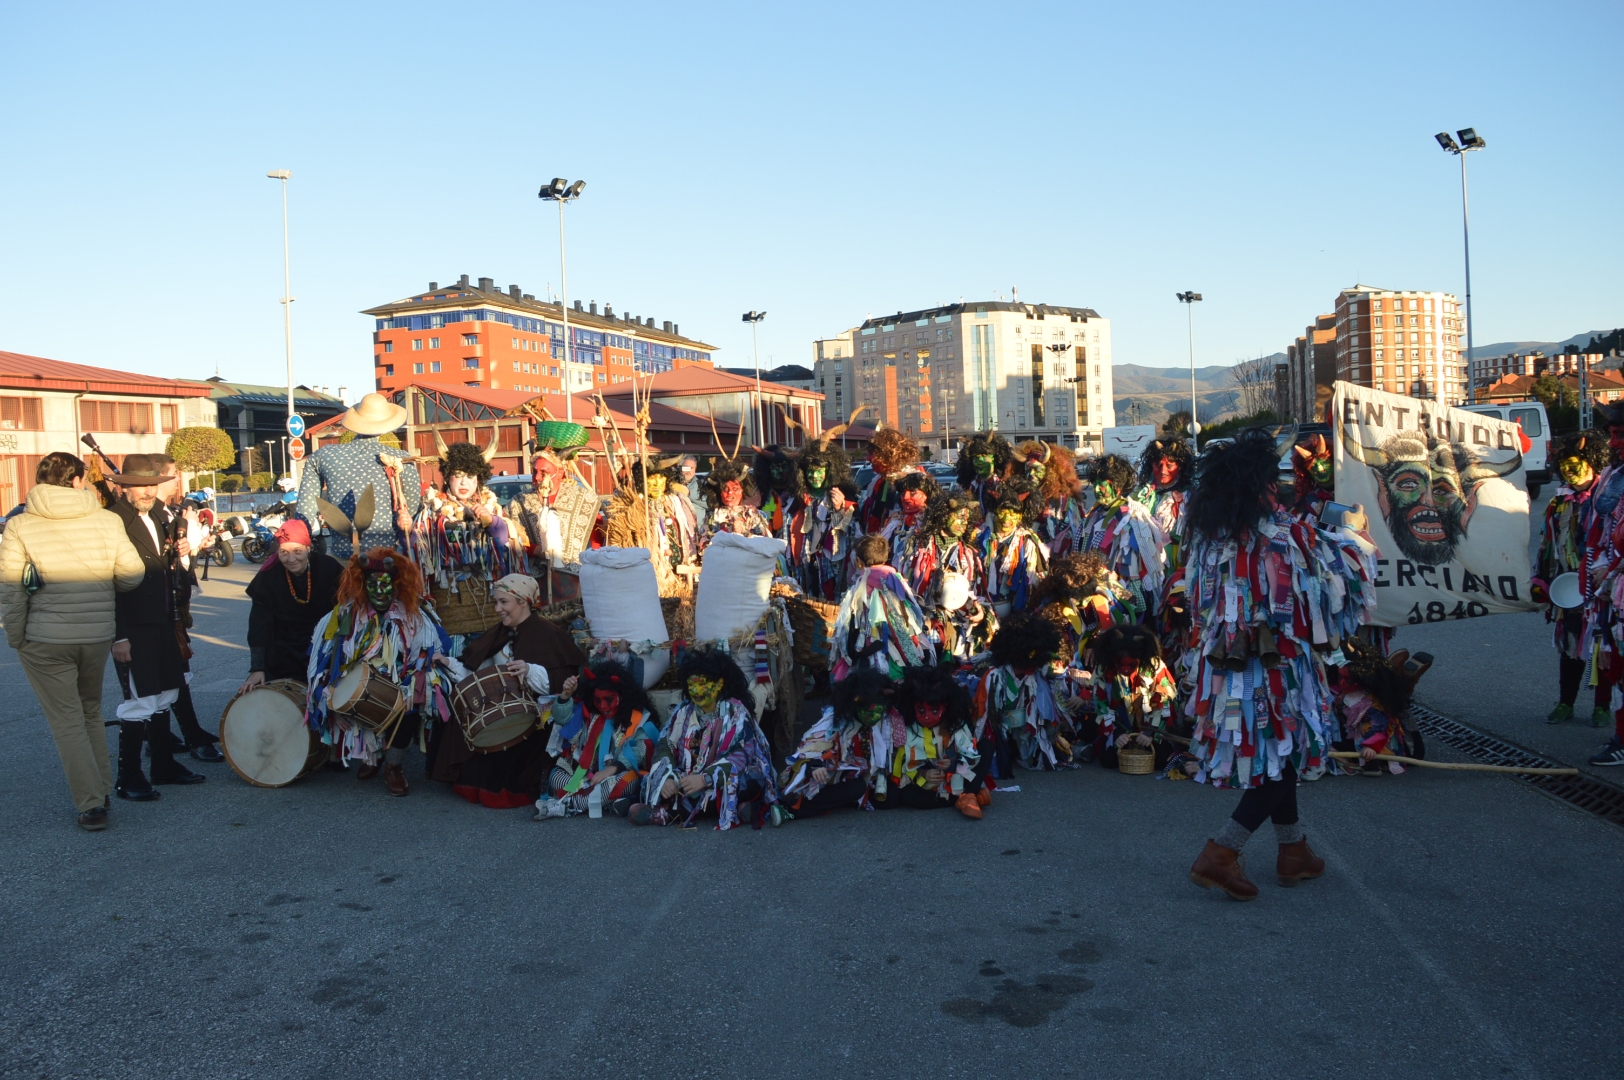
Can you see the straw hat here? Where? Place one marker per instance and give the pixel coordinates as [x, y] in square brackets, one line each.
[374, 415]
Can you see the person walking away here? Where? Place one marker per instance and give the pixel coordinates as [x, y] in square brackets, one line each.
[147, 637]
[61, 563]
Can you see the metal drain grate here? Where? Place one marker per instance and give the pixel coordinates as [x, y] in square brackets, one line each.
[1585, 792]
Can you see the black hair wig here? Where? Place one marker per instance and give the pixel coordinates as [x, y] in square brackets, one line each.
[1230, 479]
[1367, 669]
[1024, 640]
[765, 460]
[1176, 450]
[1590, 446]
[1116, 470]
[943, 506]
[723, 471]
[613, 675]
[864, 686]
[847, 488]
[836, 466]
[1125, 640]
[934, 685]
[638, 484]
[1023, 498]
[465, 458]
[985, 442]
[712, 663]
[918, 481]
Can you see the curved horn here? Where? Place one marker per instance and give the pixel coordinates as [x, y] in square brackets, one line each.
[439, 443]
[718, 438]
[1478, 471]
[490, 451]
[1373, 456]
[791, 423]
[831, 434]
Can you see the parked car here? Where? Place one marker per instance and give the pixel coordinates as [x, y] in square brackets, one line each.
[1530, 416]
[508, 488]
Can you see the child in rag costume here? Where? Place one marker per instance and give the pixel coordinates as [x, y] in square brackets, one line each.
[946, 566]
[1134, 695]
[726, 488]
[1051, 471]
[1013, 557]
[1267, 591]
[379, 621]
[1580, 459]
[711, 756]
[819, 529]
[933, 761]
[459, 533]
[1125, 534]
[1079, 597]
[603, 739]
[892, 455]
[835, 762]
[1018, 720]
[1372, 696]
[880, 623]
[902, 529]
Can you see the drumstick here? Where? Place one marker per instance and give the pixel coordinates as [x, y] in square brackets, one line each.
[1460, 765]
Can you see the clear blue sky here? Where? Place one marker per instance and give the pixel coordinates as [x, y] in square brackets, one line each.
[820, 162]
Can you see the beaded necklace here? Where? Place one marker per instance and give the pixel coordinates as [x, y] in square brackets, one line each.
[309, 585]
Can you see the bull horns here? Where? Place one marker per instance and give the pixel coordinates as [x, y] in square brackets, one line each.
[737, 443]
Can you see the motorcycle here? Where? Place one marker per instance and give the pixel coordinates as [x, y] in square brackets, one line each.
[260, 534]
[218, 545]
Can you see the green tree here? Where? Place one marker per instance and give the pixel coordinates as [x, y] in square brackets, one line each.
[1561, 403]
[201, 449]
[261, 481]
[1177, 425]
[229, 484]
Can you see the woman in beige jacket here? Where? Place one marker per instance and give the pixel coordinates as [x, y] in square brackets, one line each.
[60, 562]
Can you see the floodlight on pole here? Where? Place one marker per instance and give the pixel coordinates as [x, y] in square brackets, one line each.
[754, 319]
[1189, 300]
[1469, 140]
[561, 191]
[283, 176]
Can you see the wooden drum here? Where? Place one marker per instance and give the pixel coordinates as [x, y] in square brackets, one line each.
[496, 710]
[264, 737]
[365, 697]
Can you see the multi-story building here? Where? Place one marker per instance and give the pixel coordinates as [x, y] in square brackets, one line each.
[834, 375]
[1404, 342]
[49, 405]
[1030, 371]
[255, 415]
[480, 336]
[1490, 369]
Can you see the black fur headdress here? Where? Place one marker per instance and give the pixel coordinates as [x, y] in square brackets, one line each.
[864, 686]
[723, 471]
[943, 506]
[1171, 449]
[1230, 479]
[712, 663]
[613, 675]
[1003, 456]
[1124, 640]
[765, 460]
[1023, 640]
[1116, 470]
[935, 685]
[1590, 446]
[465, 458]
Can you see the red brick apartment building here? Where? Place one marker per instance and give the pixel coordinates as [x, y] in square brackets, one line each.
[476, 335]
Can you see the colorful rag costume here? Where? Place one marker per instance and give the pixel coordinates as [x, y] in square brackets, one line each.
[1020, 712]
[727, 748]
[846, 749]
[1133, 546]
[880, 624]
[584, 745]
[823, 536]
[1011, 565]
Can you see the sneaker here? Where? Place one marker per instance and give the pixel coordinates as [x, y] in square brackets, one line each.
[1601, 716]
[94, 819]
[777, 816]
[984, 798]
[968, 806]
[1611, 754]
[548, 808]
[1560, 715]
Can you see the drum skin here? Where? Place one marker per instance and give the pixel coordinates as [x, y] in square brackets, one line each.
[364, 696]
[494, 710]
[264, 737]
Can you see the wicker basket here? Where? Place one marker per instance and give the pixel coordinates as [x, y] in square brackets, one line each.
[466, 611]
[1136, 760]
[812, 621]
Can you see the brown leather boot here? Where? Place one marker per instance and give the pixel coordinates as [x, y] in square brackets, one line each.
[367, 772]
[394, 778]
[1297, 862]
[1217, 867]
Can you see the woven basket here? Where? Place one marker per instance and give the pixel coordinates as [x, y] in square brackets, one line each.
[1136, 760]
[812, 621]
[466, 611]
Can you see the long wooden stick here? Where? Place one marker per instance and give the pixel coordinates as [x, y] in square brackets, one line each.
[1462, 766]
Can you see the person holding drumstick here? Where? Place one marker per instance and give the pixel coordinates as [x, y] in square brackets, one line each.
[290, 594]
[543, 656]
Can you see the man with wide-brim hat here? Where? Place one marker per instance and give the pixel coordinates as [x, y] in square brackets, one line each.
[341, 473]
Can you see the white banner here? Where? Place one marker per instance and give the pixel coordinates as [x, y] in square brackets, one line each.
[1444, 491]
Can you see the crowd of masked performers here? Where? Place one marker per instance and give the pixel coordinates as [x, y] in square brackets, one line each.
[1204, 613]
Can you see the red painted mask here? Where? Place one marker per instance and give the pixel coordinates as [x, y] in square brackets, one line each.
[732, 494]
[547, 475]
[913, 502]
[1127, 665]
[1166, 470]
[929, 713]
[605, 702]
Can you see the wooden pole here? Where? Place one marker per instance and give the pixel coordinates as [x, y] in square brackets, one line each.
[1458, 765]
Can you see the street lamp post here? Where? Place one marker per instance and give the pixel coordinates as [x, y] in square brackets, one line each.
[1189, 300]
[284, 175]
[562, 191]
[1469, 140]
[754, 319]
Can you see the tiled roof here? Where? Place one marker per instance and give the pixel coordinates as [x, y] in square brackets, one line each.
[458, 297]
[698, 381]
[21, 371]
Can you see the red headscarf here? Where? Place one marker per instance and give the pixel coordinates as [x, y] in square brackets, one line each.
[293, 531]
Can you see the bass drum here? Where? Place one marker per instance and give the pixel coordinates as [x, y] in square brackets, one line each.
[264, 737]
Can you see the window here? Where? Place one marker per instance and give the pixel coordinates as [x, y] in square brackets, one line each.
[389, 369]
[553, 372]
[417, 344]
[471, 362]
[389, 346]
[470, 339]
[167, 416]
[1528, 420]
[132, 418]
[434, 365]
[515, 343]
[23, 414]
[515, 365]
[417, 369]
[1376, 305]
[434, 343]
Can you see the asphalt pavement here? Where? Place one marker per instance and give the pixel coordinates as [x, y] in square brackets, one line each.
[324, 929]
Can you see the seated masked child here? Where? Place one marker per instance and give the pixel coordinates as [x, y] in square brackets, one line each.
[933, 761]
[1017, 720]
[1133, 693]
[712, 757]
[834, 763]
[603, 740]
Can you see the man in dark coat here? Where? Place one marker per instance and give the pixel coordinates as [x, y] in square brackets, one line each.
[145, 635]
[547, 659]
[198, 742]
[290, 594]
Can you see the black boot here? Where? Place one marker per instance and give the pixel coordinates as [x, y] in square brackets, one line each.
[161, 749]
[132, 782]
[199, 743]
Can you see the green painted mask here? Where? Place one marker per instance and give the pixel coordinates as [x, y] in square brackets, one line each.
[704, 692]
[1106, 494]
[1037, 470]
[1321, 471]
[380, 591]
[869, 715]
[1004, 522]
[983, 465]
[1577, 472]
[817, 478]
[957, 522]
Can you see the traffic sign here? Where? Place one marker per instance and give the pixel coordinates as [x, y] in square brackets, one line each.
[296, 449]
[296, 425]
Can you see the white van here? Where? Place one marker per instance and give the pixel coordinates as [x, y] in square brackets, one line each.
[1530, 416]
